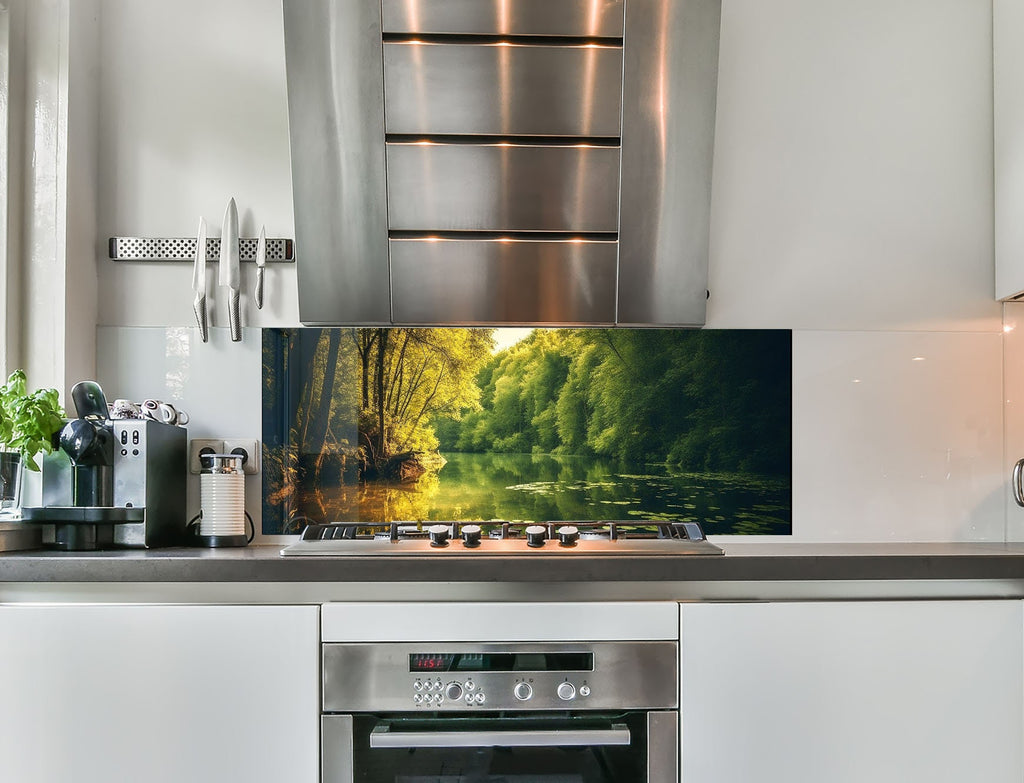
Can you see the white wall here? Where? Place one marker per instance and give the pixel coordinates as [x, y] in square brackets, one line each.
[852, 203]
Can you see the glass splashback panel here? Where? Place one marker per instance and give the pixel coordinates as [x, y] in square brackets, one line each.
[384, 424]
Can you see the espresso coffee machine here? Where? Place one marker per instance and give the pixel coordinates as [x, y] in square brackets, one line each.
[114, 482]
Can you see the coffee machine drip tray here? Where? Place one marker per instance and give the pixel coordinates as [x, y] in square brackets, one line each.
[78, 528]
[90, 515]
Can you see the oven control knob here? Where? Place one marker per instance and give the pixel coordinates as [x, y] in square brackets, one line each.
[453, 692]
[438, 535]
[522, 691]
[568, 535]
[566, 691]
[535, 535]
[584, 690]
[471, 535]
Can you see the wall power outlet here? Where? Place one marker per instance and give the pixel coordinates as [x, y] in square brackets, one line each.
[199, 446]
[250, 451]
[249, 448]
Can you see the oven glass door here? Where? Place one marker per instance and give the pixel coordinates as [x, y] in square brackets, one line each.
[605, 748]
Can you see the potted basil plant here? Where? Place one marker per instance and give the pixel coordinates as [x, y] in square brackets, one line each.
[28, 423]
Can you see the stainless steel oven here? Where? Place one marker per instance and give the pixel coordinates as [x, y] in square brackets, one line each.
[517, 712]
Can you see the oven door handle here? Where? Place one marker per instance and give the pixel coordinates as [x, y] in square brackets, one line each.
[383, 737]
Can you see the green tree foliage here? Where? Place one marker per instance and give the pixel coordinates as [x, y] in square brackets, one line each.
[696, 400]
[417, 376]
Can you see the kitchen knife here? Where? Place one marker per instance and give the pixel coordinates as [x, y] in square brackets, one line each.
[229, 274]
[261, 262]
[199, 281]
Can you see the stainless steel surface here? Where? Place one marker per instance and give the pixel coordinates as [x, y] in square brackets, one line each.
[511, 281]
[502, 89]
[336, 746]
[500, 548]
[593, 18]
[228, 268]
[639, 538]
[663, 747]
[261, 262]
[502, 187]
[150, 464]
[335, 77]
[279, 251]
[383, 737]
[375, 677]
[498, 74]
[1016, 483]
[18, 536]
[668, 128]
[199, 282]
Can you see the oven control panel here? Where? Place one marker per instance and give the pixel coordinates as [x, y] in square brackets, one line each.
[513, 676]
[440, 692]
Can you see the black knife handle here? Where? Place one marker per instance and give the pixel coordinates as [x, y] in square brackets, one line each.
[234, 317]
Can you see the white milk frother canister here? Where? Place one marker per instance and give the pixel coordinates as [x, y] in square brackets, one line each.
[222, 498]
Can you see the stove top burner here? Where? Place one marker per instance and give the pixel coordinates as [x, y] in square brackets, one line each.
[606, 537]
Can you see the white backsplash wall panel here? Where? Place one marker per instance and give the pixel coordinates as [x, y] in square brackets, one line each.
[897, 436]
[219, 384]
[853, 166]
[193, 111]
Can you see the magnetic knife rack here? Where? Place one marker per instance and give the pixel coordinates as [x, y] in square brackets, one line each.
[279, 251]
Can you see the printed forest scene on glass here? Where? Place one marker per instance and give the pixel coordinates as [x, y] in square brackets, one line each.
[377, 425]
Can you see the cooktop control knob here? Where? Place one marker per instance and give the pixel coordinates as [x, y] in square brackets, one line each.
[568, 535]
[453, 692]
[438, 535]
[566, 691]
[535, 535]
[471, 535]
[522, 691]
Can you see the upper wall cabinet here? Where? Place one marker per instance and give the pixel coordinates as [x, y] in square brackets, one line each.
[496, 162]
[1008, 105]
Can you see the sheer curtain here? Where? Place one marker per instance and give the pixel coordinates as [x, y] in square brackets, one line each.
[5, 184]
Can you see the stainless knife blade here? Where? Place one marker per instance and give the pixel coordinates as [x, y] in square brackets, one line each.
[229, 272]
[261, 262]
[199, 282]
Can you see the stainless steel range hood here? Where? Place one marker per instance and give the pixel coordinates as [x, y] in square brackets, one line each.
[502, 161]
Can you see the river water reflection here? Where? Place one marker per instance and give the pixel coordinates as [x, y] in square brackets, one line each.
[545, 487]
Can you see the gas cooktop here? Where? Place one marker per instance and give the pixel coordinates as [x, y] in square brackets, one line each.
[635, 538]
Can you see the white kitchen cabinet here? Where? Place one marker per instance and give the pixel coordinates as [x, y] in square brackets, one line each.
[1008, 131]
[850, 692]
[161, 694]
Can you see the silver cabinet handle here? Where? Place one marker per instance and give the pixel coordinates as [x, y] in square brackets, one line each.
[383, 737]
[1018, 487]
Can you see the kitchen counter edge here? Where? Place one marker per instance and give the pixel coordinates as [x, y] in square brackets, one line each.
[741, 563]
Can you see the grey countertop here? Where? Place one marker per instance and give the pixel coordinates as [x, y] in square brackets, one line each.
[742, 562]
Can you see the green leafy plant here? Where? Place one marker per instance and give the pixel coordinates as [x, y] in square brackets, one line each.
[28, 421]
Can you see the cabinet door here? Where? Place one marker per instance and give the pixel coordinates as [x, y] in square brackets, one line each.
[1008, 122]
[908, 692]
[162, 694]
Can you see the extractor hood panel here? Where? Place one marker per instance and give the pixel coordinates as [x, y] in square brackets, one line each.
[502, 161]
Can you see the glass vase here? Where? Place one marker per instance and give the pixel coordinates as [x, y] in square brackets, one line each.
[11, 469]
